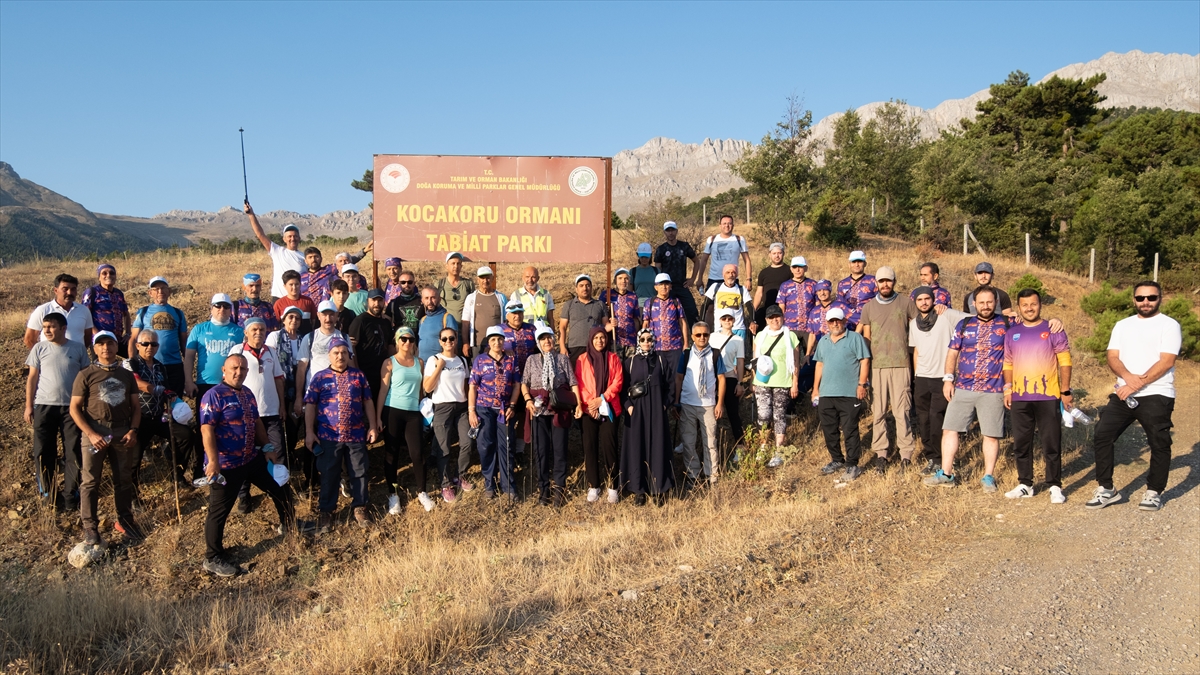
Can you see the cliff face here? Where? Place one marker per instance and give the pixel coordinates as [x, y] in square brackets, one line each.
[664, 167]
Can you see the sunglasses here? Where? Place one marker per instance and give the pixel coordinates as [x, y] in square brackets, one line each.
[447, 339]
[222, 306]
[699, 335]
[406, 339]
[1145, 298]
[407, 283]
[148, 344]
[648, 338]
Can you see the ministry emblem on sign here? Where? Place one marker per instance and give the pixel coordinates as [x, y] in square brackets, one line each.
[394, 178]
[583, 181]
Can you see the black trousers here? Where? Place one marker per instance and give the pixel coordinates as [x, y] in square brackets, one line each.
[839, 415]
[574, 353]
[182, 458]
[451, 425]
[733, 413]
[221, 499]
[931, 404]
[549, 453]
[599, 451]
[1154, 414]
[402, 430]
[1026, 415]
[50, 422]
[174, 373]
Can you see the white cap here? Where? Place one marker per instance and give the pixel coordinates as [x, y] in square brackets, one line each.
[484, 271]
[619, 272]
[581, 277]
[835, 313]
[326, 306]
[662, 278]
[221, 297]
[670, 225]
[181, 412]
[645, 250]
[858, 255]
[514, 305]
[494, 330]
[544, 330]
[453, 254]
[103, 334]
[155, 280]
[349, 266]
[725, 311]
[799, 261]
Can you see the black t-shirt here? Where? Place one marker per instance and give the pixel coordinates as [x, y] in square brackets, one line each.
[673, 259]
[404, 311]
[345, 318]
[770, 279]
[372, 336]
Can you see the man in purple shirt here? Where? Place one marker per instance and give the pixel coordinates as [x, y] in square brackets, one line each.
[107, 304]
[818, 324]
[339, 417]
[252, 306]
[856, 289]
[977, 354]
[490, 409]
[520, 343]
[930, 274]
[231, 428]
[623, 302]
[667, 318]
[314, 282]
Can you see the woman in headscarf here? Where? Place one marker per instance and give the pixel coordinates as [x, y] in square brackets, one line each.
[776, 377]
[600, 381]
[646, 453]
[549, 371]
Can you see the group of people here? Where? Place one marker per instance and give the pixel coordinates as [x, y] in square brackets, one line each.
[453, 369]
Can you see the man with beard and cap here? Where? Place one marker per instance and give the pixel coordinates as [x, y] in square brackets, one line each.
[818, 323]
[883, 323]
[770, 278]
[856, 289]
[454, 289]
[107, 305]
[251, 306]
[1141, 353]
[392, 268]
[984, 276]
[537, 301]
[404, 308]
[207, 346]
[929, 336]
[672, 257]
[283, 258]
[314, 281]
[371, 336]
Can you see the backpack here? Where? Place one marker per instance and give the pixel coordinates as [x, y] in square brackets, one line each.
[715, 353]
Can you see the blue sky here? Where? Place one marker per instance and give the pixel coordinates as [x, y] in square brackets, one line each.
[133, 108]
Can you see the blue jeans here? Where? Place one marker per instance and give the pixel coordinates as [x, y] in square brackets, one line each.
[330, 456]
[494, 458]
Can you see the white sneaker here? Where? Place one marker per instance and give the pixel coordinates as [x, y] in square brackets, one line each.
[593, 494]
[776, 462]
[613, 496]
[1057, 496]
[394, 508]
[1019, 492]
[425, 501]
[679, 449]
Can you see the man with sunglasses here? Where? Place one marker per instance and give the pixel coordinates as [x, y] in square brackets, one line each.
[371, 337]
[107, 304]
[404, 308]
[207, 346]
[1141, 353]
[699, 395]
[155, 395]
[264, 378]
[433, 319]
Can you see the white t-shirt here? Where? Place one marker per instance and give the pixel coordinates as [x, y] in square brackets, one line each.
[732, 347]
[734, 297]
[79, 319]
[262, 382]
[314, 348]
[452, 383]
[284, 259]
[723, 251]
[1139, 342]
[933, 346]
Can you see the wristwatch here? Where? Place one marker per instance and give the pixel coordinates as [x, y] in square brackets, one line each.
[1065, 392]
[948, 377]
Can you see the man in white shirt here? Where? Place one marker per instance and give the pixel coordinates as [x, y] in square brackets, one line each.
[699, 396]
[284, 258]
[1141, 353]
[725, 248]
[79, 318]
[264, 378]
[314, 351]
[929, 336]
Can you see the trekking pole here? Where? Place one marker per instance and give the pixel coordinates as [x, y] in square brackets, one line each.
[174, 468]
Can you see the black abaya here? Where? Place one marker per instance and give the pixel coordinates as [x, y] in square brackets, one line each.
[646, 451]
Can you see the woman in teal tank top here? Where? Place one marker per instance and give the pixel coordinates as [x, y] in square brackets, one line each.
[400, 410]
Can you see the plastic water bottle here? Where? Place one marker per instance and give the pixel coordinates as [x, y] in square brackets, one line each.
[1081, 417]
[1130, 401]
[205, 480]
[815, 401]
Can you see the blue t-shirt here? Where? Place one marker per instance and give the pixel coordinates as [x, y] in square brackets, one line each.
[428, 329]
[212, 344]
[840, 369]
[167, 321]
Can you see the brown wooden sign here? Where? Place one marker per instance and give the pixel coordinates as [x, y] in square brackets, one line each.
[502, 209]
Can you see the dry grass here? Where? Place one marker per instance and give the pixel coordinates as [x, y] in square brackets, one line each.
[776, 573]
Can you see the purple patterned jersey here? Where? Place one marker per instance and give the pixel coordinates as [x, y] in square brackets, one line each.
[316, 284]
[980, 347]
[233, 414]
[816, 323]
[628, 316]
[941, 296]
[108, 309]
[247, 308]
[390, 292]
[494, 380]
[796, 299]
[520, 342]
[855, 294]
[340, 399]
[664, 316]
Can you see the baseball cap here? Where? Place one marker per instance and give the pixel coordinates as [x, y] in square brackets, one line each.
[825, 284]
[104, 334]
[219, 298]
[453, 254]
[494, 330]
[403, 331]
[349, 266]
[835, 313]
[251, 277]
[885, 272]
[799, 261]
[662, 278]
[984, 267]
[326, 306]
[294, 310]
[581, 277]
[514, 306]
[544, 330]
[858, 255]
[484, 271]
[725, 311]
[291, 227]
[670, 225]
[155, 280]
[375, 293]
[645, 250]
[774, 246]
[619, 272]
[774, 310]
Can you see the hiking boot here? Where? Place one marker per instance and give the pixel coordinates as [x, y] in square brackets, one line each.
[489, 494]
[1152, 501]
[929, 468]
[832, 467]
[558, 499]
[395, 508]
[1057, 496]
[679, 449]
[852, 472]
[448, 495]
[299, 526]
[220, 568]
[423, 497]
[989, 483]
[244, 505]
[361, 518]
[1022, 491]
[131, 531]
[325, 523]
[881, 465]
[639, 499]
[1102, 497]
[91, 537]
[939, 479]
[905, 465]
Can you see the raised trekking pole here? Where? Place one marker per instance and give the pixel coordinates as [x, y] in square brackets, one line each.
[245, 189]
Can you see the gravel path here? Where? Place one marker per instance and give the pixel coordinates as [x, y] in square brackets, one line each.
[1061, 589]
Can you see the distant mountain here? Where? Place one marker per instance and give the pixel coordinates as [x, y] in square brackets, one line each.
[664, 167]
[231, 222]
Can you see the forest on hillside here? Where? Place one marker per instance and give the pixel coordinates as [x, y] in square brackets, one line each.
[1043, 159]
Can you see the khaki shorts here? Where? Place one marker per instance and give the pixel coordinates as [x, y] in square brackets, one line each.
[966, 405]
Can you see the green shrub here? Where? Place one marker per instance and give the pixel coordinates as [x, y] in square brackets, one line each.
[1027, 281]
[1108, 307]
[1097, 342]
[1180, 309]
[1106, 299]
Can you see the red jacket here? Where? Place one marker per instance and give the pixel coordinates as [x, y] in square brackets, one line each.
[587, 381]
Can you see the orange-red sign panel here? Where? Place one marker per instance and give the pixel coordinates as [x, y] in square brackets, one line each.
[503, 209]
